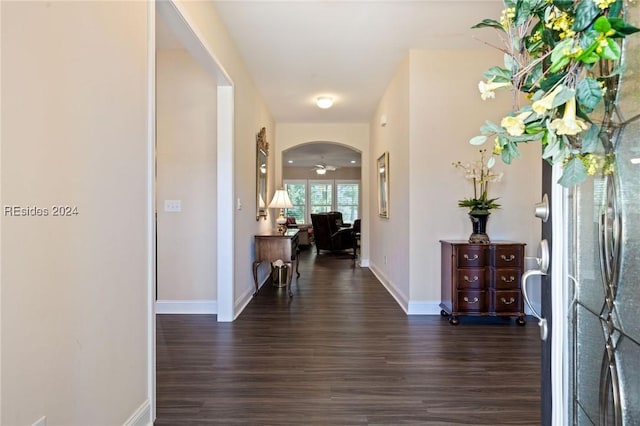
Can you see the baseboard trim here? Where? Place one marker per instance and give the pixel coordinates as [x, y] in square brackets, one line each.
[364, 263]
[390, 288]
[424, 307]
[141, 417]
[187, 307]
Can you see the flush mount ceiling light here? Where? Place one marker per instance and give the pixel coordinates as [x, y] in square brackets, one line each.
[324, 102]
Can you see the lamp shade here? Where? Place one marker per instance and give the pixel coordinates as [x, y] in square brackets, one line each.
[280, 200]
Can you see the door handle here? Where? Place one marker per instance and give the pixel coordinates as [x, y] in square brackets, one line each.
[542, 322]
[542, 208]
[543, 263]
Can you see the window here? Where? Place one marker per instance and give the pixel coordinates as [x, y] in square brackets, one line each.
[315, 196]
[347, 200]
[321, 196]
[297, 191]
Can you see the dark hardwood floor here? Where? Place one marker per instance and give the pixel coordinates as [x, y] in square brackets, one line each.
[342, 352]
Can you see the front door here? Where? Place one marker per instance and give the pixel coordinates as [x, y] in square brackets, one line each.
[591, 369]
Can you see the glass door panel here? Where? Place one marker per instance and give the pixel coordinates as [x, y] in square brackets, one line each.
[603, 290]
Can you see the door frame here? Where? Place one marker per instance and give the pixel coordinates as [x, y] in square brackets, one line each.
[174, 15]
[553, 289]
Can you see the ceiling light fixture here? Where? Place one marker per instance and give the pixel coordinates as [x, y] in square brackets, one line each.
[321, 171]
[324, 102]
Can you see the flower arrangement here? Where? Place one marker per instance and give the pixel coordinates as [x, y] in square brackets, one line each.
[481, 175]
[561, 59]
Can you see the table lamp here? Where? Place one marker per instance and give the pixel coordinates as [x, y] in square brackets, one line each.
[281, 201]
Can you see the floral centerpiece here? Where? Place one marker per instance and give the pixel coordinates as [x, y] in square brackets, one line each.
[481, 175]
[561, 59]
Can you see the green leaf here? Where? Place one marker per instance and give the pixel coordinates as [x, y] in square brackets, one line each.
[478, 140]
[524, 10]
[615, 9]
[611, 51]
[559, 56]
[591, 58]
[588, 94]
[622, 27]
[490, 128]
[602, 25]
[560, 64]
[562, 97]
[526, 137]
[509, 152]
[565, 5]
[552, 150]
[489, 23]
[573, 173]
[533, 77]
[498, 74]
[586, 12]
[589, 43]
[549, 37]
[590, 140]
[549, 82]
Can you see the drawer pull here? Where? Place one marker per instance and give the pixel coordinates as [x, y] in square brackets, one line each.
[507, 302]
[470, 280]
[507, 258]
[474, 257]
[475, 300]
[508, 280]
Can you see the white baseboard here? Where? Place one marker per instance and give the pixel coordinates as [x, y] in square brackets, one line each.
[364, 263]
[393, 291]
[186, 307]
[424, 307]
[242, 303]
[141, 417]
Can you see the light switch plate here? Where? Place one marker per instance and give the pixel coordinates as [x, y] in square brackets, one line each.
[172, 206]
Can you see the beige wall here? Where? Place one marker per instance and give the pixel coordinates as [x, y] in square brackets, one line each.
[74, 289]
[390, 237]
[250, 115]
[434, 108]
[186, 171]
[353, 135]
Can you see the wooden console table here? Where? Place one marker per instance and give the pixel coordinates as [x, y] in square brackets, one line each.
[482, 279]
[274, 246]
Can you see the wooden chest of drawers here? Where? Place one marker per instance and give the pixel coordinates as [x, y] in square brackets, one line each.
[481, 279]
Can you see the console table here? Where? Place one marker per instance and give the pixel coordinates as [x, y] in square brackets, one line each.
[481, 279]
[275, 246]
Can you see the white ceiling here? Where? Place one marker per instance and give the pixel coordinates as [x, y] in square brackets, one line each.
[297, 50]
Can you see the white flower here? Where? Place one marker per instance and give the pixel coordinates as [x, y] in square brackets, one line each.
[487, 88]
[515, 125]
[569, 124]
[546, 103]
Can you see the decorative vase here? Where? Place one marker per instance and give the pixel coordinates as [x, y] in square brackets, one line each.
[479, 223]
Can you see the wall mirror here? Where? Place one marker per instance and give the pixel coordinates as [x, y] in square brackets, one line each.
[262, 168]
[383, 185]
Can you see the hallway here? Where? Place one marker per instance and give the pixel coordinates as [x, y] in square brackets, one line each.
[342, 352]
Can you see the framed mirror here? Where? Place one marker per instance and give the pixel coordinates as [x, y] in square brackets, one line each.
[383, 185]
[262, 168]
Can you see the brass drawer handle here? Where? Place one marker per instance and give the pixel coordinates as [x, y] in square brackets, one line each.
[507, 258]
[475, 300]
[507, 302]
[466, 256]
[469, 280]
[510, 280]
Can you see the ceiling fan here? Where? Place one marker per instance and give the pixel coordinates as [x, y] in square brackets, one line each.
[322, 168]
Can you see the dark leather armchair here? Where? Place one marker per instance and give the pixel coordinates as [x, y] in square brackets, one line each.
[329, 235]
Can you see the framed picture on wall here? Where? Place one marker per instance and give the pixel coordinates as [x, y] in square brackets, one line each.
[382, 167]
